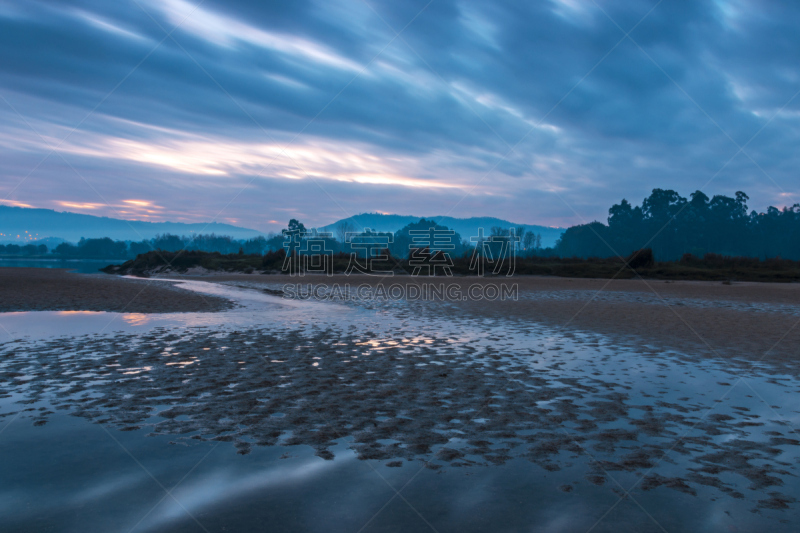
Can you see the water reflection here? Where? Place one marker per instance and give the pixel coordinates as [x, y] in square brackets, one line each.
[136, 319]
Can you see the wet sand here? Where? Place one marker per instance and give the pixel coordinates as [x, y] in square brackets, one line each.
[457, 385]
[51, 289]
[436, 393]
[750, 320]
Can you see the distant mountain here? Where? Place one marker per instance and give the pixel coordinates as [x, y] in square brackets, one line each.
[42, 223]
[56, 227]
[466, 227]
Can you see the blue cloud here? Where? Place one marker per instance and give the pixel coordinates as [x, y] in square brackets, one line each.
[372, 117]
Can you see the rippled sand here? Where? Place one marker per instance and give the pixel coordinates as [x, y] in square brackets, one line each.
[757, 321]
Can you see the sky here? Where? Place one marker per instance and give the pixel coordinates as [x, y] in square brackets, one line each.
[255, 112]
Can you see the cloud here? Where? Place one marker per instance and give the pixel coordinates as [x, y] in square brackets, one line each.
[14, 203]
[226, 32]
[538, 112]
[195, 155]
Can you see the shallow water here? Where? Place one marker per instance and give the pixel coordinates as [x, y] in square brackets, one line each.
[307, 416]
[255, 309]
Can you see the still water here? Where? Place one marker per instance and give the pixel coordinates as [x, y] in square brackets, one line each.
[286, 415]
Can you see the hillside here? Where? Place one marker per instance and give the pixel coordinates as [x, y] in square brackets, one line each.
[72, 226]
[466, 227]
[65, 226]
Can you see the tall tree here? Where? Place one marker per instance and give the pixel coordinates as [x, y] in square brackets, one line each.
[342, 229]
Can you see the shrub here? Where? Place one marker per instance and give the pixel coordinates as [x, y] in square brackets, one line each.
[641, 259]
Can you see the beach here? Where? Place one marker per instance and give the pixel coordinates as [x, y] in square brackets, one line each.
[583, 398]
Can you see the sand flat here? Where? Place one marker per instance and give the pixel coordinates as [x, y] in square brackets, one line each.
[751, 320]
[52, 289]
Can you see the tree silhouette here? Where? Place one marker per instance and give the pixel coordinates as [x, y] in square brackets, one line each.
[671, 226]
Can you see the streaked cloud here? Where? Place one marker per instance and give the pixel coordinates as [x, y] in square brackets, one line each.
[228, 32]
[80, 207]
[323, 159]
[257, 112]
[14, 203]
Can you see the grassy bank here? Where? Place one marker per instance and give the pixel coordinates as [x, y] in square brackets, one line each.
[709, 268]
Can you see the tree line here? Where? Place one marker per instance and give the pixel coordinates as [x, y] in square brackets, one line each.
[345, 239]
[27, 249]
[665, 222]
[673, 226]
[106, 248]
[421, 235]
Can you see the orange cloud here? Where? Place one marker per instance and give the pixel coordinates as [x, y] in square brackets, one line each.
[80, 206]
[138, 203]
[14, 203]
